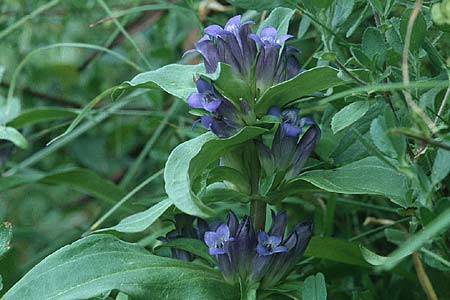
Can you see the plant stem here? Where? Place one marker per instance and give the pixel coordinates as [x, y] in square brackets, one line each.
[258, 214]
[257, 206]
[423, 278]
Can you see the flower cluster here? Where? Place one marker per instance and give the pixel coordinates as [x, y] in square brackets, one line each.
[266, 257]
[289, 154]
[242, 255]
[224, 119]
[260, 59]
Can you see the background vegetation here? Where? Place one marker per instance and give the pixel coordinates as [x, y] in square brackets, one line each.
[58, 56]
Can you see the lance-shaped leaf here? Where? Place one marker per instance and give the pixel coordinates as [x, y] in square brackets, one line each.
[304, 84]
[175, 79]
[11, 134]
[188, 160]
[100, 263]
[369, 176]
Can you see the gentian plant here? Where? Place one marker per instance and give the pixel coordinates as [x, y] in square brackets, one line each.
[273, 157]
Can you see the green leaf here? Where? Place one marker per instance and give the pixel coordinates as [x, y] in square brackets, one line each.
[278, 18]
[193, 246]
[261, 5]
[377, 5]
[322, 3]
[373, 44]
[441, 166]
[101, 263]
[82, 180]
[314, 288]
[188, 160]
[11, 134]
[86, 181]
[304, 84]
[175, 79]
[41, 114]
[371, 257]
[141, 220]
[9, 111]
[440, 224]
[5, 237]
[349, 115]
[419, 30]
[337, 250]
[233, 176]
[362, 58]
[368, 176]
[229, 84]
[342, 10]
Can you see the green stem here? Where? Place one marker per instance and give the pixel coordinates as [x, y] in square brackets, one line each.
[258, 214]
[257, 206]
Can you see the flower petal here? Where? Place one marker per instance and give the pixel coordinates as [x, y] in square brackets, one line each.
[195, 100]
[223, 232]
[211, 238]
[213, 30]
[203, 86]
[291, 130]
[279, 222]
[216, 251]
[212, 105]
[268, 34]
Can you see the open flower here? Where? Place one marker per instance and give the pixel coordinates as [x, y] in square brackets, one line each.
[271, 66]
[267, 258]
[216, 239]
[269, 244]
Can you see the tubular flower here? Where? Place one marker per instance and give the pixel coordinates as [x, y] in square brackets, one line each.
[222, 117]
[271, 66]
[230, 45]
[288, 153]
[266, 258]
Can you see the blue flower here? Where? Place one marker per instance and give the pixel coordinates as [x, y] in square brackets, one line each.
[273, 67]
[288, 153]
[230, 45]
[268, 245]
[222, 117]
[243, 257]
[216, 239]
[206, 96]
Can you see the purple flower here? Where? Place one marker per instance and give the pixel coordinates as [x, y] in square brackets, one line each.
[269, 244]
[268, 36]
[223, 118]
[206, 96]
[273, 67]
[216, 239]
[243, 257]
[283, 263]
[288, 153]
[230, 45]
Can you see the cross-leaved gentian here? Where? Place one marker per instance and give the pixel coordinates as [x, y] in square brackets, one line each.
[289, 154]
[266, 258]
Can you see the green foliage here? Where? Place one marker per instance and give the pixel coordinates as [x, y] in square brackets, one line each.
[376, 186]
[102, 257]
[188, 161]
[314, 287]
